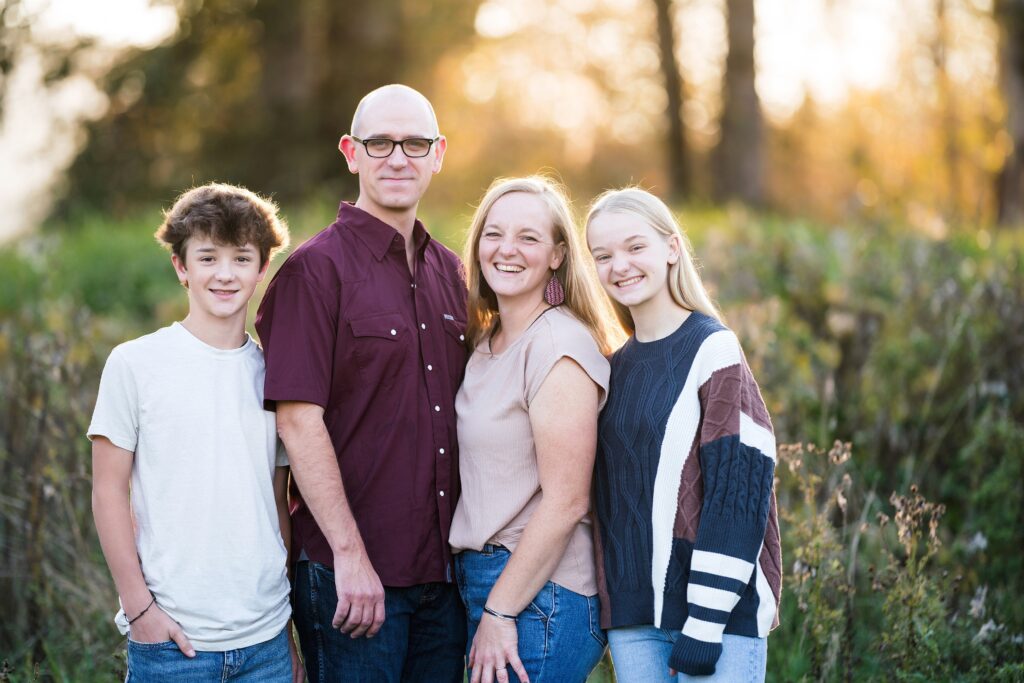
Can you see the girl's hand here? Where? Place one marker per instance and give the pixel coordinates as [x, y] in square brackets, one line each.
[495, 647]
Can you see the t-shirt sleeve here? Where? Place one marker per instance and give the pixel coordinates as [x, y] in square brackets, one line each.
[116, 415]
[565, 341]
[298, 333]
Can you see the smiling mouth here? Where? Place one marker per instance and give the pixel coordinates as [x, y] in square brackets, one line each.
[629, 281]
[506, 268]
[224, 292]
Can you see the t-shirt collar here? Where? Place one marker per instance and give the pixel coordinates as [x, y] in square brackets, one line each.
[375, 233]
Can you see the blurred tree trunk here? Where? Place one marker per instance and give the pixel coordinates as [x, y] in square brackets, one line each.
[1010, 181]
[257, 93]
[678, 172]
[954, 200]
[738, 156]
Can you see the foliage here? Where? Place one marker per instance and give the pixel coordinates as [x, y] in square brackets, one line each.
[904, 348]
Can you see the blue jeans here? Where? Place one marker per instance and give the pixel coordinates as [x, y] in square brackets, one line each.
[640, 655]
[266, 662]
[560, 636]
[423, 637]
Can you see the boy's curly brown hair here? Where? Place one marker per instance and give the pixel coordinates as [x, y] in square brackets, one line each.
[227, 214]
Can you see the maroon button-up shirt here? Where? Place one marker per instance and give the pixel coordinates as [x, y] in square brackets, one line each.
[346, 326]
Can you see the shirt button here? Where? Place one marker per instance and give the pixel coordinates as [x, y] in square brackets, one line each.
[437, 409]
[442, 494]
[441, 451]
[394, 332]
[413, 285]
[423, 326]
[462, 337]
[430, 367]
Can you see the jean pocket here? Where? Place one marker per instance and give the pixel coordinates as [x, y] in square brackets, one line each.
[152, 647]
[594, 606]
[544, 603]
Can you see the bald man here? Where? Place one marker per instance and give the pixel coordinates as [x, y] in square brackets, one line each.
[363, 332]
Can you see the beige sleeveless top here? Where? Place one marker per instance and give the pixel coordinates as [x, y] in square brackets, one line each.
[497, 457]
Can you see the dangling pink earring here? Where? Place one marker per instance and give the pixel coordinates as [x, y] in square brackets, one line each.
[553, 293]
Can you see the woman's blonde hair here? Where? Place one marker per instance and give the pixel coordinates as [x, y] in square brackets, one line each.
[576, 272]
[684, 281]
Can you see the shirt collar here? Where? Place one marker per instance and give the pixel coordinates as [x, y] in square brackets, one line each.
[378, 235]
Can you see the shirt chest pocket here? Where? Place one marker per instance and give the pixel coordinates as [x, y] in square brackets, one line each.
[381, 345]
[455, 345]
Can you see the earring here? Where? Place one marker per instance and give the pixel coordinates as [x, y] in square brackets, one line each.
[553, 293]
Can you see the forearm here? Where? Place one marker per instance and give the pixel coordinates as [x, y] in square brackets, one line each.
[537, 554]
[113, 518]
[315, 469]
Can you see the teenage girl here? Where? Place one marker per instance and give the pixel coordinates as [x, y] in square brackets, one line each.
[687, 525]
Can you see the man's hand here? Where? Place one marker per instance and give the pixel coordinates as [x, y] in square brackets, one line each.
[360, 596]
[156, 627]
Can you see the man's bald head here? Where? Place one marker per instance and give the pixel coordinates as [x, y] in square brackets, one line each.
[386, 98]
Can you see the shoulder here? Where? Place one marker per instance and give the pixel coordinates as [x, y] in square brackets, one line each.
[445, 260]
[142, 348]
[318, 254]
[559, 334]
[717, 345]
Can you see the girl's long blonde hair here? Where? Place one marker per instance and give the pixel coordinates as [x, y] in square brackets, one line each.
[576, 272]
[684, 281]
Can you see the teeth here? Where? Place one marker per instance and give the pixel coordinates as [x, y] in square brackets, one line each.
[630, 281]
[508, 269]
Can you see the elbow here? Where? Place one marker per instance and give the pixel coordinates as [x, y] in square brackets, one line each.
[576, 509]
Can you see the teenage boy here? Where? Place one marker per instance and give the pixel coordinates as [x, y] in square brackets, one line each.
[179, 423]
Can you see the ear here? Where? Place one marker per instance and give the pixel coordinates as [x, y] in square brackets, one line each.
[558, 256]
[179, 269]
[347, 146]
[439, 149]
[263, 271]
[675, 249]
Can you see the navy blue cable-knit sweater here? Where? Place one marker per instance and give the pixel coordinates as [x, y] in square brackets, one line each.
[687, 535]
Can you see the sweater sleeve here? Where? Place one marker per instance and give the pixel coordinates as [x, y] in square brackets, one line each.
[737, 458]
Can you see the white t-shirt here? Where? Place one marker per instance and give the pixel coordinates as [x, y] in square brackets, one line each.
[206, 524]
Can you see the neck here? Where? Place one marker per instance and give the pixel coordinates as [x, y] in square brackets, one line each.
[657, 318]
[515, 315]
[220, 333]
[403, 220]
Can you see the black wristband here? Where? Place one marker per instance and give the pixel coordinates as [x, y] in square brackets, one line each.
[499, 615]
[139, 615]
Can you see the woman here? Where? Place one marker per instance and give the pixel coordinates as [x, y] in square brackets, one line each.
[527, 423]
[688, 530]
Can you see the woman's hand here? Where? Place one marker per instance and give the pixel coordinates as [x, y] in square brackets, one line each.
[495, 646]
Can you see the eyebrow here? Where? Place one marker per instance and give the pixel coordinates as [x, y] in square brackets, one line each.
[246, 248]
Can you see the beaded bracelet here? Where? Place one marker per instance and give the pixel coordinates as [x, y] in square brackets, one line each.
[499, 615]
[139, 615]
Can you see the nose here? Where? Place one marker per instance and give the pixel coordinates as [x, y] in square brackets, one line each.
[225, 272]
[398, 158]
[507, 246]
[620, 263]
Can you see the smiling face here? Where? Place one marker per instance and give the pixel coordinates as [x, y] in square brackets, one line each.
[632, 259]
[393, 186]
[221, 278]
[517, 249]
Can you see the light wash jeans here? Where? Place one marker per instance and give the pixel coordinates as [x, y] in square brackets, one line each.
[560, 636]
[266, 662]
[640, 655]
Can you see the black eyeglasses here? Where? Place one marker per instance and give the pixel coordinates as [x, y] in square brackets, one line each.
[380, 148]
